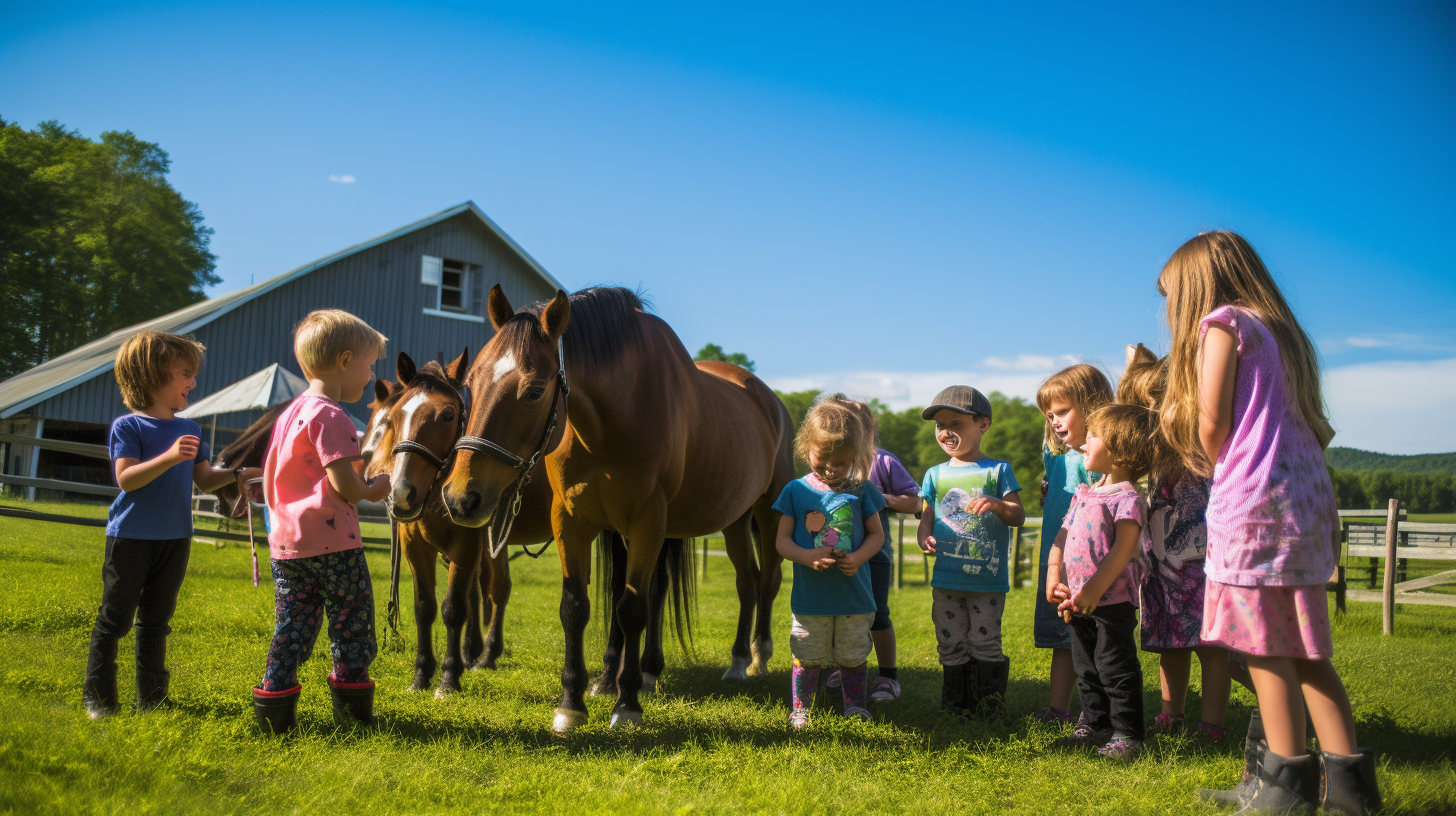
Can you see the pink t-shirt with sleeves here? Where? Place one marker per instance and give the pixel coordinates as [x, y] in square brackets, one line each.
[1091, 523]
[1271, 508]
[308, 517]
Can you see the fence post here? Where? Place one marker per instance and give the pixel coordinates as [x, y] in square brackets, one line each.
[1016, 558]
[1387, 603]
[900, 552]
[705, 556]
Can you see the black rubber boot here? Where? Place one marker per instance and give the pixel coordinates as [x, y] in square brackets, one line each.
[99, 693]
[276, 711]
[1284, 785]
[1349, 784]
[353, 702]
[953, 689]
[1253, 743]
[151, 689]
[991, 679]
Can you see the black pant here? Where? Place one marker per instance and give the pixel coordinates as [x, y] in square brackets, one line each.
[140, 580]
[1109, 676]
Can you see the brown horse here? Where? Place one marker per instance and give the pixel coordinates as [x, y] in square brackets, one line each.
[655, 446]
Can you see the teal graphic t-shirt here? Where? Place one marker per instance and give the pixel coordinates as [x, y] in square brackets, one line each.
[1063, 474]
[824, 517]
[970, 550]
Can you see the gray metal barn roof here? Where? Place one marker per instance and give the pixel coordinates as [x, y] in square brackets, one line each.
[99, 356]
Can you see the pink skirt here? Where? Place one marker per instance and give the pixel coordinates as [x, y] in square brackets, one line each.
[1274, 621]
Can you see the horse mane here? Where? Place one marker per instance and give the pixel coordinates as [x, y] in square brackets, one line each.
[259, 432]
[603, 326]
[431, 377]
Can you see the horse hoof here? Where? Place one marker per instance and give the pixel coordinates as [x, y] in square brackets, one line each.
[566, 720]
[626, 717]
[737, 670]
[649, 683]
[443, 691]
[602, 687]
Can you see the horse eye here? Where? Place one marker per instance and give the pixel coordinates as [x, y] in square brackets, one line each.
[448, 416]
[535, 392]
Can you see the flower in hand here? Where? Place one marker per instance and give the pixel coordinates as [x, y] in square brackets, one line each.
[927, 545]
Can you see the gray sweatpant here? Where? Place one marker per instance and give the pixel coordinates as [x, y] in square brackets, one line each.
[967, 625]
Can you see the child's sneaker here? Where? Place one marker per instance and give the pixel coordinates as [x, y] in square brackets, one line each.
[857, 713]
[1055, 716]
[799, 719]
[1208, 734]
[884, 690]
[832, 680]
[1167, 724]
[1123, 749]
[1084, 736]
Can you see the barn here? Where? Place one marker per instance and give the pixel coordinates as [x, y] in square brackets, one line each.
[423, 285]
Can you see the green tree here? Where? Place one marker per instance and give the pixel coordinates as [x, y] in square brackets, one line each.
[93, 238]
[714, 352]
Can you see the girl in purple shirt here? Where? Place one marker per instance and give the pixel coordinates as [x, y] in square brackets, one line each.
[1243, 406]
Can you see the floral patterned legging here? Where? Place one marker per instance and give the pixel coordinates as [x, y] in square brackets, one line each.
[333, 587]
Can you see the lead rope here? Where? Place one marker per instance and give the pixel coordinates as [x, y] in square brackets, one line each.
[392, 611]
[252, 542]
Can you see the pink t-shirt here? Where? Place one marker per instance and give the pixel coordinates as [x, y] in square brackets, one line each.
[308, 517]
[1271, 508]
[1091, 529]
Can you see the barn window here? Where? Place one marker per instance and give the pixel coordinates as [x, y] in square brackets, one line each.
[455, 289]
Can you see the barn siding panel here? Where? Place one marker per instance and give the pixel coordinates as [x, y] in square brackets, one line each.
[380, 284]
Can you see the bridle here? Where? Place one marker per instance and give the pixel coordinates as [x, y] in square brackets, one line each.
[412, 447]
[502, 522]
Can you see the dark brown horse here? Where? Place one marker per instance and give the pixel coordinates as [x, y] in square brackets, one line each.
[655, 446]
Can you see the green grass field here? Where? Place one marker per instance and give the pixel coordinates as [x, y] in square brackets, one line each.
[706, 747]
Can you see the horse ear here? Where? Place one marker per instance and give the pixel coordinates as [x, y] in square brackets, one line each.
[404, 368]
[457, 368]
[381, 391]
[498, 307]
[555, 316]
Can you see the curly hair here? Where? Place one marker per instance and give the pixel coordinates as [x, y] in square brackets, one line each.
[836, 421]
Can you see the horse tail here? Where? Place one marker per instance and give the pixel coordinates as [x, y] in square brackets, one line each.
[676, 566]
[611, 575]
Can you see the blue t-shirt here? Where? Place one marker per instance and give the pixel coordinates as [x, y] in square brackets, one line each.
[970, 550]
[161, 510]
[839, 523]
[1063, 474]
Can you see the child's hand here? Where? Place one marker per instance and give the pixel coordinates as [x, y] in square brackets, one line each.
[1056, 591]
[822, 558]
[1082, 603]
[849, 563]
[927, 545]
[982, 505]
[379, 487]
[1045, 486]
[184, 449]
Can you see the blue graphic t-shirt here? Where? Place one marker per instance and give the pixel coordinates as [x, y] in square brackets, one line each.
[1063, 474]
[970, 550]
[160, 510]
[824, 517]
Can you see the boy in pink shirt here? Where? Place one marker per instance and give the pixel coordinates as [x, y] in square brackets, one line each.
[311, 482]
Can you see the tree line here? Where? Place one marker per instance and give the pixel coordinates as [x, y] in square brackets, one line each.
[1420, 492]
[93, 238]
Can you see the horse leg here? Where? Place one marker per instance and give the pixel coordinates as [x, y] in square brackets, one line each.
[653, 657]
[496, 595]
[472, 644]
[738, 542]
[770, 578]
[614, 552]
[644, 545]
[575, 549]
[421, 557]
[464, 562]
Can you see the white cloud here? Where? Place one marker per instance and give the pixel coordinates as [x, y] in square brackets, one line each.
[342, 179]
[1030, 362]
[1402, 406]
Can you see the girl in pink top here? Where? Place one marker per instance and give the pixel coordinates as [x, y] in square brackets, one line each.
[311, 481]
[1243, 405]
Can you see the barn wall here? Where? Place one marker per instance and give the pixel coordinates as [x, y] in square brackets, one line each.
[380, 284]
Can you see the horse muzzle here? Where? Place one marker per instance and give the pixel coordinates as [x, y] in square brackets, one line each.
[469, 507]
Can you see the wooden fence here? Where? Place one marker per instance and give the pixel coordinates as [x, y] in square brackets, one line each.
[1396, 541]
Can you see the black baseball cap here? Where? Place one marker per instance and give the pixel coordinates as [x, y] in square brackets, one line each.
[960, 398]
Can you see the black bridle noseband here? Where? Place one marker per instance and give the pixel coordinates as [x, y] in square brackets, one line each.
[503, 520]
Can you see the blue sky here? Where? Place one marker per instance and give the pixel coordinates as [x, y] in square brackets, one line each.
[880, 199]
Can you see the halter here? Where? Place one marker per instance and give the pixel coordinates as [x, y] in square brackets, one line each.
[503, 521]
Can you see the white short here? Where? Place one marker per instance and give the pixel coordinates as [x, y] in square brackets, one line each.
[831, 640]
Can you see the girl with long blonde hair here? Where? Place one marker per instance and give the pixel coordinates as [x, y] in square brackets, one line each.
[1243, 406]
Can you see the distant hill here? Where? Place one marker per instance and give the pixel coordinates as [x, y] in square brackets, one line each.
[1358, 460]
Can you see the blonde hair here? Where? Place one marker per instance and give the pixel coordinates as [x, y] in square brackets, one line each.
[1130, 433]
[837, 421]
[1221, 269]
[1145, 384]
[144, 364]
[1083, 385]
[325, 334]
